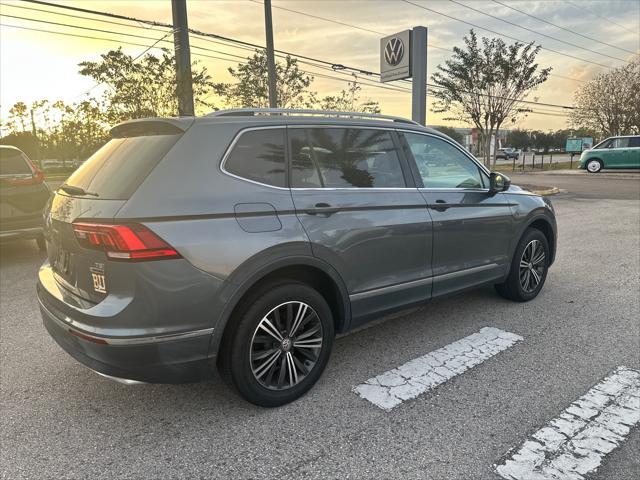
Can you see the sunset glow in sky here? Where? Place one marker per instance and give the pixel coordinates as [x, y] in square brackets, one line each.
[37, 65]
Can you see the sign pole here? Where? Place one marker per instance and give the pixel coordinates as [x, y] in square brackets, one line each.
[419, 75]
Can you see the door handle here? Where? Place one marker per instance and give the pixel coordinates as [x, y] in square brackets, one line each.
[440, 206]
[322, 209]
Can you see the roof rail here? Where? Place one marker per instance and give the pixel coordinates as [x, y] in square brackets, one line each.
[285, 111]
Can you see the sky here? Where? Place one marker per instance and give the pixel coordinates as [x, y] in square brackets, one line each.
[589, 37]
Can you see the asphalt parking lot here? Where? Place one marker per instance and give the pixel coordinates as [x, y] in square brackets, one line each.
[60, 420]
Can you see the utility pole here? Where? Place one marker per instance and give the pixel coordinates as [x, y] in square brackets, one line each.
[183, 58]
[419, 75]
[34, 132]
[271, 63]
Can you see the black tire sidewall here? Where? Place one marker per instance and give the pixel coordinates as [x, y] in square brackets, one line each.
[239, 365]
[514, 277]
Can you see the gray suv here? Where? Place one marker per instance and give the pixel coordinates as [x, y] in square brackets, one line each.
[246, 239]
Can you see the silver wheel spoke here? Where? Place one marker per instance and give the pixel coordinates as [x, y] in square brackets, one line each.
[524, 264]
[309, 343]
[536, 277]
[299, 317]
[268, 327]
[291, 367]
[539, 258]
[262, 369]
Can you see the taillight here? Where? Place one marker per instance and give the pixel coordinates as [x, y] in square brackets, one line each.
[124, 242]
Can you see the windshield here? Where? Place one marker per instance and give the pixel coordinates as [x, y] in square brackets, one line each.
[119, 167]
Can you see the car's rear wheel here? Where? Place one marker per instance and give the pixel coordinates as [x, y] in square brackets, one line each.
[528, 270]
[279, 346]
[594, 166]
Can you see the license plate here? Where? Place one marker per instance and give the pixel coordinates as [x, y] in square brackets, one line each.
[98, 278]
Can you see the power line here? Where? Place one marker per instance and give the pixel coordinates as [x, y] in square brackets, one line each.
[582, 7]
[207, 36]
[563, 28]
[503, 34]
[337, 22]
[536, 32]
[218, 38]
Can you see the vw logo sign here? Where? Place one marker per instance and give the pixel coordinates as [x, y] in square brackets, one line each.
[394, 51]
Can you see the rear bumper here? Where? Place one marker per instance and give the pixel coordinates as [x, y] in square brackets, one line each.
[175, 358]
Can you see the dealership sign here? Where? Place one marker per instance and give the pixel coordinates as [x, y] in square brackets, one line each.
[395, 56]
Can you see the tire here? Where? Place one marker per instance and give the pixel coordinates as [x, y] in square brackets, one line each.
[533, 243]
[251, 344]
[41, 243]
[594, 166]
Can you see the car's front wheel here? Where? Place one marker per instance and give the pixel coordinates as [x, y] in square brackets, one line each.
[594, 166]
[528, 270]
[280, 345]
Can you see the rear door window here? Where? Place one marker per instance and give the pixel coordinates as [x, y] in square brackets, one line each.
[634, 142]
[12, 162]
[621, 142]
[344, 158]
[119, 167]
[258, 155]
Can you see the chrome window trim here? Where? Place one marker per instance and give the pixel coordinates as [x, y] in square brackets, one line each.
[462, 150]
[233, 143]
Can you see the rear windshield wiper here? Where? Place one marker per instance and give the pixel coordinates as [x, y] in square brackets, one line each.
[76, 190]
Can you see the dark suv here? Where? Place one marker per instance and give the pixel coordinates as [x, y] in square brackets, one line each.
[23, 195]
[247, 238]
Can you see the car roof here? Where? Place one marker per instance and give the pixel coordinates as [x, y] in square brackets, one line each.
[10, 147]
[270, 117]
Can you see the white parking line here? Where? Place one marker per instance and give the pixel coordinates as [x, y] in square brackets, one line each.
[574, 444]
[421, 374]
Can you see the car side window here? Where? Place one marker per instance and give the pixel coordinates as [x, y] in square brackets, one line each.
[621, 142]
[344, 158]
[258, 155]
[634, 142]
[441, 165]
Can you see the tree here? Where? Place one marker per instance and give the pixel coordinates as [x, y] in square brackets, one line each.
[144, 87]
[251, 88]
[293, 87]
[610, 103]
[482, 84]
[451, 132]
[519, 139]
[349, 100]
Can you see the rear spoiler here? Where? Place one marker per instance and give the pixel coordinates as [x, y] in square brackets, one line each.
[151, 126]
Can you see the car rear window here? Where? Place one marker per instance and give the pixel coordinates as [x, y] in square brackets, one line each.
[258, 155]
[344, 158]
[13, 163]
[119, 167]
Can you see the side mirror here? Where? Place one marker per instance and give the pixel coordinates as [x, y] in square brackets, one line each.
[498, 183]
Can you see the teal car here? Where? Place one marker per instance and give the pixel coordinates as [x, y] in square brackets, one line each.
[614, 152]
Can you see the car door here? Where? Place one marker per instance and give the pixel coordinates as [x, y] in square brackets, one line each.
[472, 229]
[633, 153]
[362, 214]
[617, 156]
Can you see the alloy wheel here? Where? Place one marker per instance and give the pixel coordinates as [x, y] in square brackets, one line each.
[286, 345]
[593, 166]
[532, 265]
